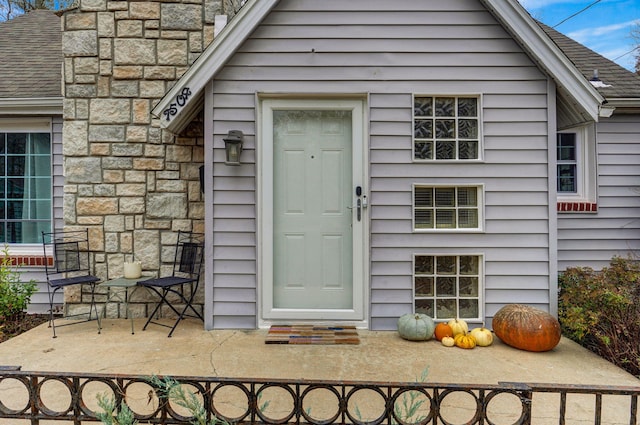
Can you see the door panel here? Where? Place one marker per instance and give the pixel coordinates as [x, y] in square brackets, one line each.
[312, 222]
[312, 250]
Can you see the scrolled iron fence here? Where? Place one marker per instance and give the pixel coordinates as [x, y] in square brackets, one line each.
[39, 397]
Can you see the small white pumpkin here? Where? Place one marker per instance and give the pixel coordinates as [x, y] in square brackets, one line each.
[448, 341]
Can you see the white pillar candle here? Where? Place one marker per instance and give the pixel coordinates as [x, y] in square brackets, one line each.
[132, 270]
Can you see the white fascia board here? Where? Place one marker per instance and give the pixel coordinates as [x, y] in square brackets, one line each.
[621, 102]
[547, 53]
[208, 64]
[31, 106]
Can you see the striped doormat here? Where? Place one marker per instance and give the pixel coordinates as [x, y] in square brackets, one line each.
[311, 334]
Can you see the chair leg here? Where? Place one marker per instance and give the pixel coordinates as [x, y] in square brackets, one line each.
[162, 296]
[52, 323]
[188, 304]
[181, 314]
[94, 307]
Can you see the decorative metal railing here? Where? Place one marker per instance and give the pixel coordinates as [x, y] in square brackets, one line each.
[42, 397]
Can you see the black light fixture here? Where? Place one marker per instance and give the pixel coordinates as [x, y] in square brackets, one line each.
[233, 147]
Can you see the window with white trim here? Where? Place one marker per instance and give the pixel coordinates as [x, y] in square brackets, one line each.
[575, 166]
[567, 151]
[25, 185]
[448, 286]
[446, 128]
[447, 207]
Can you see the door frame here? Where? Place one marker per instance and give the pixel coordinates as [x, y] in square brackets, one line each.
[267, 315]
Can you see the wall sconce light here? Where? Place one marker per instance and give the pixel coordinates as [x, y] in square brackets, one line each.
[233, 147]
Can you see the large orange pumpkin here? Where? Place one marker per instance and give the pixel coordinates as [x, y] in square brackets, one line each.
[526, 328]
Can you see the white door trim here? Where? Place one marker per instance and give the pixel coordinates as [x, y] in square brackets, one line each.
[264, 163]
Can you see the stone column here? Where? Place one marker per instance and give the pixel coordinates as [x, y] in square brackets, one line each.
[131, 183]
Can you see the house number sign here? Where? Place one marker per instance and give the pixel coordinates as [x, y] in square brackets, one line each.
[181, 100]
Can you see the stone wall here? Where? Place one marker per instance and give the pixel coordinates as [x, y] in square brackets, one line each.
[131, 183]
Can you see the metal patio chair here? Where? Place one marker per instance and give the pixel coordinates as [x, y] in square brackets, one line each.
[183, 282]
[69, 251]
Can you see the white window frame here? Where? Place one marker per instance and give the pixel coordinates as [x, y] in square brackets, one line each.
[30, 125]
[434, 297]
[480, 208]
[585, 165]
[480, 157]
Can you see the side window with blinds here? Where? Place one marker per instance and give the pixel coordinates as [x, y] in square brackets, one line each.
[447, 207]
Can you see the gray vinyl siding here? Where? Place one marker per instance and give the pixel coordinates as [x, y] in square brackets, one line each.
[396, 49]
[58, 175]
[234, 217]
[592, 239]
[40, 300]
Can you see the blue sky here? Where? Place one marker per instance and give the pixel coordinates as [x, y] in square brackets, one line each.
[604, 28]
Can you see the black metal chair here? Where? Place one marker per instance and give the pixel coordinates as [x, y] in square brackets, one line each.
[187, 264]
[70, 266]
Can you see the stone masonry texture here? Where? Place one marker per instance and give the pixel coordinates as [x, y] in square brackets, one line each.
[131, 183]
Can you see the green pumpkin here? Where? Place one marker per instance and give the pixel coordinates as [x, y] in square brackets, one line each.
[416, 327]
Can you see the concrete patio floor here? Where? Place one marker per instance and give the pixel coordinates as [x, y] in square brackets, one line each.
[380, 357]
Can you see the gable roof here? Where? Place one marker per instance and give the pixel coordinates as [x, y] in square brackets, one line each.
[31, 65]
[175, 109]
[616, 81]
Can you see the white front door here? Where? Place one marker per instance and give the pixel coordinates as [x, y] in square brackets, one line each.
[312, 229]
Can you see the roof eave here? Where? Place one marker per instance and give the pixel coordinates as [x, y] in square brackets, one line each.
[547, 54]
[175, 108]
[31, 106]
[623, 102]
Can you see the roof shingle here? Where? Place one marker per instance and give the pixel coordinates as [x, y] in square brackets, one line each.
[31, 56]
[617, 82]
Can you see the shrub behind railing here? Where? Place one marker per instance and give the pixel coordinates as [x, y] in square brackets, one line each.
[600, 310]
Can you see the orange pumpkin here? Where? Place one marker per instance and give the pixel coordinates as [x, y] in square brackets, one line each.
[526, 328]
[442, 330]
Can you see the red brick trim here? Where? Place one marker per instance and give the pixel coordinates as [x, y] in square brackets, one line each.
[590, 207]
[30, 260]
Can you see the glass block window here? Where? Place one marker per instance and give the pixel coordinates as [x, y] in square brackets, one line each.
[446, 128]
[25, 187]
[448, 286]
[446, 207]
[567, 153]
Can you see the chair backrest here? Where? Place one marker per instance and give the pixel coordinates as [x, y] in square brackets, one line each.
[70, 251]
[189, 254]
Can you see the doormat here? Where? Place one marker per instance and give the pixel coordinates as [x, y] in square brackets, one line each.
[310, 334]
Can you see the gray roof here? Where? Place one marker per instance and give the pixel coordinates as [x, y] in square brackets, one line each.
[31, 56]
[623, 83]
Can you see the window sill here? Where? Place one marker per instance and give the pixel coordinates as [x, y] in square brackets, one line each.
[577, 207]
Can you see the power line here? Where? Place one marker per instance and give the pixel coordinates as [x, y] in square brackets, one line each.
[576, 14]
[628, 53]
